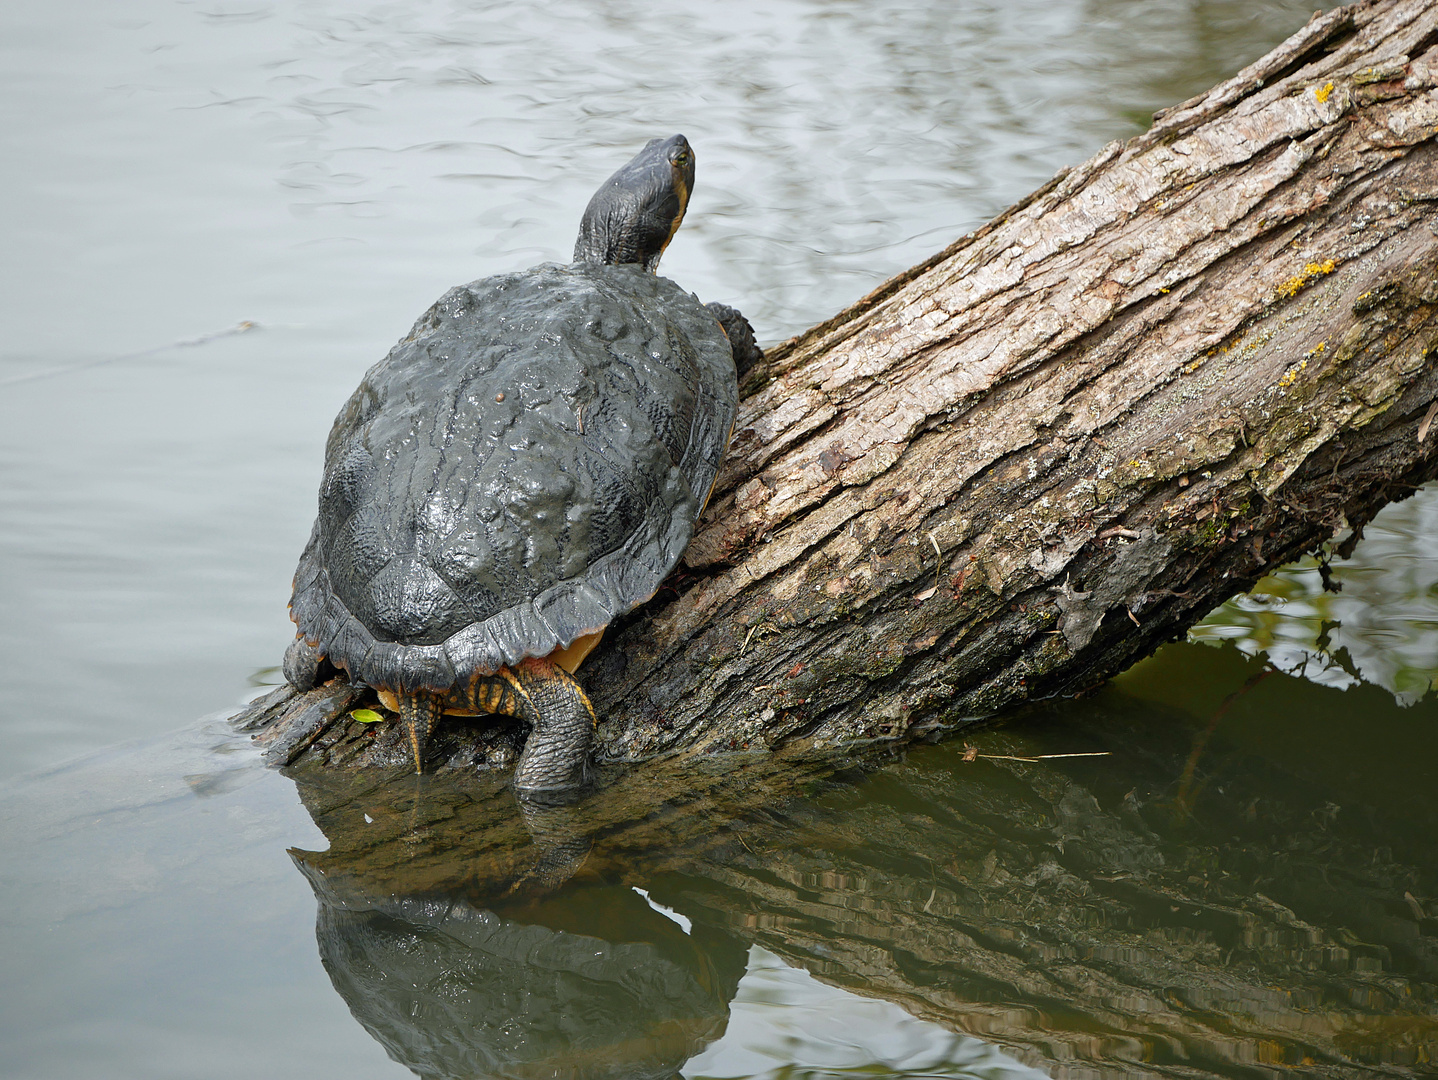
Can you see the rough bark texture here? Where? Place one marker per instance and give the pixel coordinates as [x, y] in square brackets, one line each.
[1019, 467]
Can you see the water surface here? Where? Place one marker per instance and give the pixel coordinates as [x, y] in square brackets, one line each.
[219, 214]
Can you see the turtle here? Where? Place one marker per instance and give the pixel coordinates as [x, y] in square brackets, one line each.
[524, 467]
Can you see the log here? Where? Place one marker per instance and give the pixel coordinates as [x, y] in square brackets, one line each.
[1019, 467]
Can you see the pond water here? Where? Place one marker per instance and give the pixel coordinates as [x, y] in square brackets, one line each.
[219, 213]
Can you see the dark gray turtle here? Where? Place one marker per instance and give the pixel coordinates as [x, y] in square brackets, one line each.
[524, 467]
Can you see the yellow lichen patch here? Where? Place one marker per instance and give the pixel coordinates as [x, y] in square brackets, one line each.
[1291, 375]
[1290, 288]
[1316, 350]
[1322, 95]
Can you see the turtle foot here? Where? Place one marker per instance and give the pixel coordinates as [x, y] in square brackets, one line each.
[741, 337]
[302, 665]
[555, 763]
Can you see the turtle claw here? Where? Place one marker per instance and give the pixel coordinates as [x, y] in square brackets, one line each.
[302, 665]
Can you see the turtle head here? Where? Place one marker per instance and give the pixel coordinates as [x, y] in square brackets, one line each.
[635, 213]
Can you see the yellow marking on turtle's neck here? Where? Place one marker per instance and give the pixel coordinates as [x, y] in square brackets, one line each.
[679, 217]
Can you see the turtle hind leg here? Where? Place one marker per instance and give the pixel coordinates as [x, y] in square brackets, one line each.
[419, 713]
[555, 761]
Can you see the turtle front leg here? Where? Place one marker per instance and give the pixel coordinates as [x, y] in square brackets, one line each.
[740, 334]
[555, 760]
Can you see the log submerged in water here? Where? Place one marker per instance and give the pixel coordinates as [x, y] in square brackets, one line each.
[1021, 466]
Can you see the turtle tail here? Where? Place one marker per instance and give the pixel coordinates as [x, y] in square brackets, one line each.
[420, 712]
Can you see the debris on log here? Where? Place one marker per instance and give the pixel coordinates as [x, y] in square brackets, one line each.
[1018, 468]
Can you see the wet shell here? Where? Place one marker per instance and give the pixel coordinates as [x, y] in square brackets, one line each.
[521, 469]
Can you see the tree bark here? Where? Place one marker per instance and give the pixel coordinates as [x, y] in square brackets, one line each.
[1021, 466]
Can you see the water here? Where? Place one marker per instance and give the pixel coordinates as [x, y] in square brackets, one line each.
[1377, 626]
[219, 214]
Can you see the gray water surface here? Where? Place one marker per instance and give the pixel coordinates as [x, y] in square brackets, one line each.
[218, 214]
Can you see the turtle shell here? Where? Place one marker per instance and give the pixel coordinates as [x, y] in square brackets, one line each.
[522, 468]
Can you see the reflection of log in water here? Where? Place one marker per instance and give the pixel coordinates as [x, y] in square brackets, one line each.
[1077, 913]
[1081, 923]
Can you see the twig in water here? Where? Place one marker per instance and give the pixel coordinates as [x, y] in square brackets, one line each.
[971, 753]
[1186, 794]
[1043, 757]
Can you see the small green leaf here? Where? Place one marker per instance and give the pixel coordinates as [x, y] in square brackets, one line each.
[367, 716]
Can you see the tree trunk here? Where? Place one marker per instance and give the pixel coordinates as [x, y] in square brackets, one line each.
[1019, 467]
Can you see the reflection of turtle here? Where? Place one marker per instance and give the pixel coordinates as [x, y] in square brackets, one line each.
[524, 467]
[590, 984]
